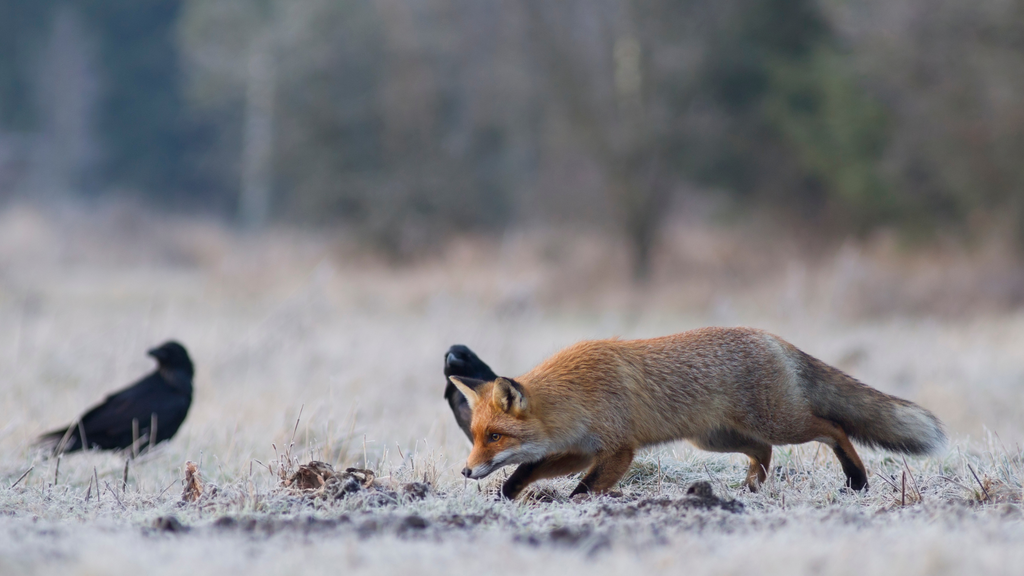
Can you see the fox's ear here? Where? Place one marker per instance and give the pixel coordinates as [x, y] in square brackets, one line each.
[468, 388]
[509, 396]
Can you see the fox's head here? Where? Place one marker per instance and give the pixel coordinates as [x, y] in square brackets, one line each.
[503, 431]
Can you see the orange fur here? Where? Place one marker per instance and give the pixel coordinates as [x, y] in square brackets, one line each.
[593, 404]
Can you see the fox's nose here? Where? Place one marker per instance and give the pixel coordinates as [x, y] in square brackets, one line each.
[467, 472]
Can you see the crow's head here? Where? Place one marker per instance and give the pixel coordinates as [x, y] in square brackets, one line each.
[461, 361]
[457, 357]
[173, 356]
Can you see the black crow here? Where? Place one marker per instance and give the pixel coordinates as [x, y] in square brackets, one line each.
[160, 400]
[461, 361]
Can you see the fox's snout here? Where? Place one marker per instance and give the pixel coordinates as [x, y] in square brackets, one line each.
[478, 471]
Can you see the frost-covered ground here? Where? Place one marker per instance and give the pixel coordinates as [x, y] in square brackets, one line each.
[289, 327]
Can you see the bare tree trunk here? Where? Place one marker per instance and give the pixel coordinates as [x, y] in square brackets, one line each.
[618, 133]
[641, 198]
[258, 136]
[67, 92]
[637, 196]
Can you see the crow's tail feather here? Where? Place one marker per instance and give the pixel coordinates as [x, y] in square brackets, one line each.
[61, 440]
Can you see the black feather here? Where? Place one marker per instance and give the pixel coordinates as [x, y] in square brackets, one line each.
[459, 360]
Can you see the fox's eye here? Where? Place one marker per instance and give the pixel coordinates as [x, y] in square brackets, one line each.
[494, 437]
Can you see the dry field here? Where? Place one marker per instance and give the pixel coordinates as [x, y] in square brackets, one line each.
[308, 349]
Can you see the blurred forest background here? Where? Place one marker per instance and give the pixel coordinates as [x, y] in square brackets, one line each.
[408, 121]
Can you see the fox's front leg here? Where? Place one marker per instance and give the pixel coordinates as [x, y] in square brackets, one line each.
[609, 468]
[547, 468]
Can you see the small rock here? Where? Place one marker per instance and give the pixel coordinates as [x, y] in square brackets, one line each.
[414, 522]
[701, 495]
[368, 528]
[225, 522]
[169, 524]
[701, 489]
[416, 490]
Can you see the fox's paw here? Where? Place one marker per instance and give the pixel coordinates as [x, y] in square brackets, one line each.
[855, 488]
[857, 483]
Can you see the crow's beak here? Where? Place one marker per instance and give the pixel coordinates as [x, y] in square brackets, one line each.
[453, 360]
[155, 353]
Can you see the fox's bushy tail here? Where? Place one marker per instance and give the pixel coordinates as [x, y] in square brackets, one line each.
[868, 416]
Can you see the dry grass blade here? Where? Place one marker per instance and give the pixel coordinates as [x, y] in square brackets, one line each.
[114, 494]
[59, 449]
[85, 443]
[296, 429]
[887, 481]
[954, 481]
[659, 475]
[22, 477]
[193, 489]
[978, 480]
[135, 438]
[913, 480]
[124, 479]
[164, 491]
[715, 479]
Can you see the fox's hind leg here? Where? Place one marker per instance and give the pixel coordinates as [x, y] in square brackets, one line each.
[731, 440]
[834, 436]
[760, 459]
[530, 472]
[609, 468]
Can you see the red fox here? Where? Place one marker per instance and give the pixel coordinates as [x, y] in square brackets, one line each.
[594, 404]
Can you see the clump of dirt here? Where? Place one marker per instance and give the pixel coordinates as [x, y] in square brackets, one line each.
[412, 523]
[169, 524]
[193, 489]
[416, 490]
[583, 537]
[467, 520]
[271, 525]
[320, 480]
[701, 495]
